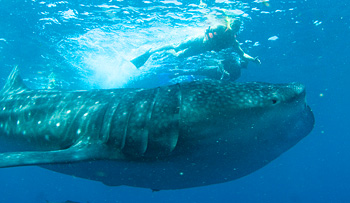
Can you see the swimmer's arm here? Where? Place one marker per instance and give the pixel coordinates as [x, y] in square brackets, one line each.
[242, 54]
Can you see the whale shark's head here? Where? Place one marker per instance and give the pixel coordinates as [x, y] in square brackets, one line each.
[220, 97]
[204, 100]
[244, 119]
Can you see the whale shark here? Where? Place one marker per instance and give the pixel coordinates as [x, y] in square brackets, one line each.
[170, 137]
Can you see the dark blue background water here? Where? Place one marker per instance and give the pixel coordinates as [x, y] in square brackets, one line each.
[88, 44]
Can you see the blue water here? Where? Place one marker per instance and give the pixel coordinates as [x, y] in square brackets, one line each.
[88, 44]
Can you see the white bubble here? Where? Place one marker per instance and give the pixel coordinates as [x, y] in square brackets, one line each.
[273, 38]
[317, 23]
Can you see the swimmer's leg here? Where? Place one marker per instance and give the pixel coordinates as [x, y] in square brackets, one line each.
[141, 60]
[185, 49]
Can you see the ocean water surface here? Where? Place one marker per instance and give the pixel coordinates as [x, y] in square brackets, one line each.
[89, 44]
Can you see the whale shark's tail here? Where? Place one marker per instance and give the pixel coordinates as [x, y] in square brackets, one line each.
[141, 60]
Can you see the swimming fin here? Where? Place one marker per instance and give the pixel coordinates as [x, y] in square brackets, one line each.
[141, 60]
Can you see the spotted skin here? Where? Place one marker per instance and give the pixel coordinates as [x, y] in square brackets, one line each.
[171, 137]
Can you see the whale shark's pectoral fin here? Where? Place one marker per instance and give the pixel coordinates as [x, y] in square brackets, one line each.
[75, 153]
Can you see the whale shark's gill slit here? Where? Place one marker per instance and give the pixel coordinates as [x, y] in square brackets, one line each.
[125, 131]
[107, 120]
[179, 113]
[149, 117]
[164, 123]
[138, 134]
[126, 124]
[180, 103]
[120, 120]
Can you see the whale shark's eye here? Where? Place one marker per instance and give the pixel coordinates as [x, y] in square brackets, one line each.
[274, 101]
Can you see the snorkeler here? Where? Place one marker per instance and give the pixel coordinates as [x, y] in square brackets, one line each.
[214, 39]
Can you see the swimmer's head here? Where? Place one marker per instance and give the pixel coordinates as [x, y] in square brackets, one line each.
[235, 25]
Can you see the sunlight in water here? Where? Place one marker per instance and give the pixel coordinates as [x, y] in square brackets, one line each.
[104, 54]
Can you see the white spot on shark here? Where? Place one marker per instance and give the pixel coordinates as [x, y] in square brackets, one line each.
[78, 131]
[68, 111]
[58, 124]
[39, 122]
[86, 114]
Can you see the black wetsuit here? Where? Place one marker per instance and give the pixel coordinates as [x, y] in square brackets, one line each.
[214, 39]
[219, 38]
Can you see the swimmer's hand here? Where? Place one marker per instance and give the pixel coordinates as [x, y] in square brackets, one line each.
[257, 61]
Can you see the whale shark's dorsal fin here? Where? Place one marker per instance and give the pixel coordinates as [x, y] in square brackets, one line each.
[14, 82]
